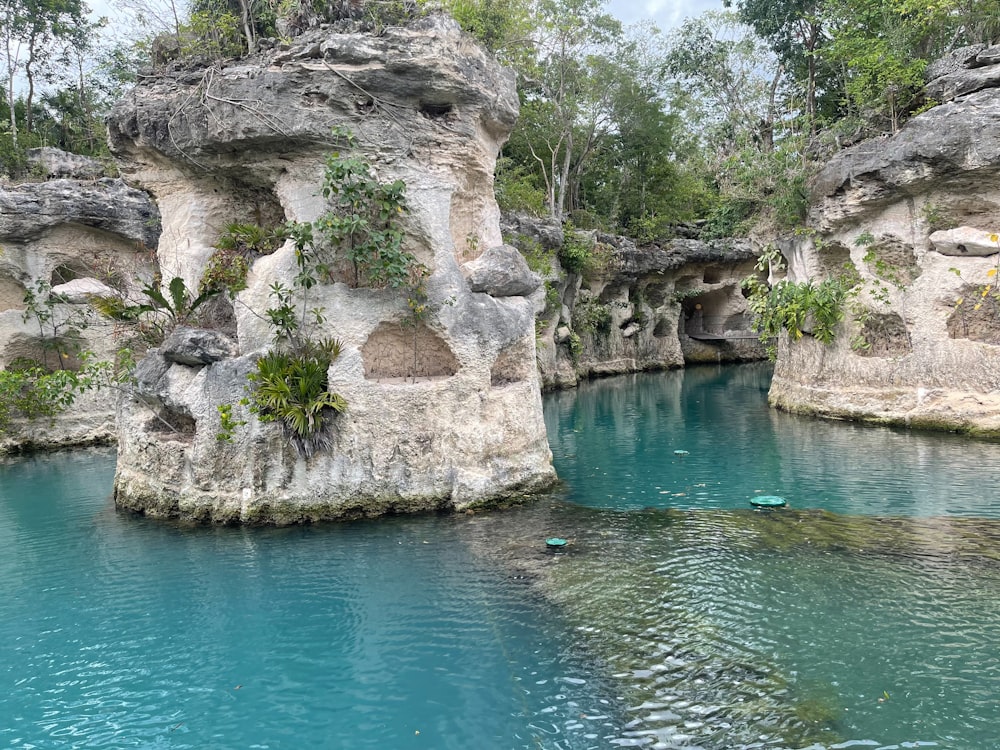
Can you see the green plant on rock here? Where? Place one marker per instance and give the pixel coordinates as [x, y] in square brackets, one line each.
[538, 258]
[592, 316]
[30, 391]
[59, 334]
[575, 344]
[160, 313]
[936, 217]
[363, 222]
[797, 308]
[236, 249]
[552, 298]
[575, 252]
[291, 388]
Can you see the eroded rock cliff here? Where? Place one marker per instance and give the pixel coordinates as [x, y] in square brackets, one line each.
[914, 214]
[61, 242]
[442, 412]
[629, 308]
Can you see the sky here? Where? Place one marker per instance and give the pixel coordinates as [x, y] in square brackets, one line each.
[666, 14]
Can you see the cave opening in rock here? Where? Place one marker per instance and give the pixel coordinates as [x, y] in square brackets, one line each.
[396, 351]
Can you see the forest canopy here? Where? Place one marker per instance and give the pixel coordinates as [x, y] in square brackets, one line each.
[631, 129]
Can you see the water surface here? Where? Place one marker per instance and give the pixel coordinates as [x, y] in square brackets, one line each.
[864, 615]
[119, 631]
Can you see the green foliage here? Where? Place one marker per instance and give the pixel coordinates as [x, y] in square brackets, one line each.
[730, 218]
[227, 423]
[59, 333]
[500, 25]
[28, 390]
[517, 189]
[936, 217]
[797, 308]
[576, 251]
[291, 388]
[538, 258]
[575, 344]
[180, 307]
[213, 33]
[592, 316]
[237, 247]
[552, 298]
[363, 223]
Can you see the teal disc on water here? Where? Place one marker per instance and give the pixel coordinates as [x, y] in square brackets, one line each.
[680, 453]
[768, 501]
[555, 542]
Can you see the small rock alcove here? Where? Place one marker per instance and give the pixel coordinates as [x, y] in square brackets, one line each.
[11, 294]
[512, 365]
[398, 352]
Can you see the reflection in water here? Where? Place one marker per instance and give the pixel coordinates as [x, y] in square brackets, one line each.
[614, 443]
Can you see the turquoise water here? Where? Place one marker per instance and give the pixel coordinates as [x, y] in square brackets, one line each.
[614, 442]
[865, 615]
[122, 632]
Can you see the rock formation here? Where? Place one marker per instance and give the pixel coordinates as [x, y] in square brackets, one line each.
[915, 215]
[64, 240]
[442, 412]
[637, 308]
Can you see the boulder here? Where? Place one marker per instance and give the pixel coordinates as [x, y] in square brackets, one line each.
[964, 242]
[80, 291]
[501, 271]
[195, 347]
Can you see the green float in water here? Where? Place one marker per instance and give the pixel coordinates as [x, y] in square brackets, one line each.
[680, 453]
[768, 501]
[555, 543]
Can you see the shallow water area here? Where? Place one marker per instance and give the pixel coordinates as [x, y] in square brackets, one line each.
[863, 615]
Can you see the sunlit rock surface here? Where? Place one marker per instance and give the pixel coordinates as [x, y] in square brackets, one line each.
[442, 414]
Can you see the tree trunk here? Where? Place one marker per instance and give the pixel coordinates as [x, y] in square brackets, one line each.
[564, 176]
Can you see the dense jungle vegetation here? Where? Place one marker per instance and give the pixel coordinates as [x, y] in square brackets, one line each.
[629, 129]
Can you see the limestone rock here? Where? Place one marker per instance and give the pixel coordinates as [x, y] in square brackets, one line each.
[29, 210]
[501, 272]
[80, 238]
[957, 59]
[54, 162]
[548, 233]
[634, 307]
[195, 347]
[914, 348]
[956, 144]
[80, 291]
[962, 82]
[964, 242]
[443, 411]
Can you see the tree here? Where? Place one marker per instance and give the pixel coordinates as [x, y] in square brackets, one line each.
[564, 95]
[720, 60]
[794, 29]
